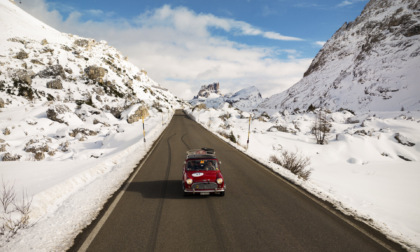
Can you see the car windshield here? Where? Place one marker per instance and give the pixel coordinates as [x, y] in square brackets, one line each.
[202, 165]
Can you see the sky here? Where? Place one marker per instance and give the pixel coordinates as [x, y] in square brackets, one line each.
[184, 44]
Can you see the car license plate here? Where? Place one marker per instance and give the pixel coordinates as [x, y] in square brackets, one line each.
[205, 193]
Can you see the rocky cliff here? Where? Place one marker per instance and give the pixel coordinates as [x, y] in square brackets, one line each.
[206, 90]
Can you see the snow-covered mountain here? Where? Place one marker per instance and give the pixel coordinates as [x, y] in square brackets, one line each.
[57, 87]
[372, 63]
[245, 99]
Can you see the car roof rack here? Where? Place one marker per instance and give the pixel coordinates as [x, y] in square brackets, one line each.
[202, 151]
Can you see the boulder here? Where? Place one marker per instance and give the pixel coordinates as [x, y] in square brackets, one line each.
[83, 131]
[36, 146]
[21, 55]
[23, 76]
[95, 73]
[10, 157]
[56, 112]
[84, 43]
[55, 84]
[116, 112]
[3, 147]
[39, 156]
[6, 132]
[403, 140]
[53, 72]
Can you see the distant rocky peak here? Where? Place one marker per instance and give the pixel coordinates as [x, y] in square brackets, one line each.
[206, 90]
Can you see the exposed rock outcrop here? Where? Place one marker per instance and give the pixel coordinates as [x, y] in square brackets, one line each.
[56, 112]
[206, 90]
[53, 72]
[55, 84]
[10, 157]
[95, 73]
[141, 112]
[23, 76]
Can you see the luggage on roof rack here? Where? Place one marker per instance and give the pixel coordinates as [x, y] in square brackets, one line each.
[202, 151]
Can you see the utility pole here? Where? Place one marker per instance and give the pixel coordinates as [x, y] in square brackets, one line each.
[249, 131]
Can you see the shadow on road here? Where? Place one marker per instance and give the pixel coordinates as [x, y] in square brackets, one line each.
[168, 189]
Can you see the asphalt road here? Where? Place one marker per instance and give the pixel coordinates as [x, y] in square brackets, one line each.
[260, 211]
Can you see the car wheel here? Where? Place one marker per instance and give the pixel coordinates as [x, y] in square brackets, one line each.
[222, 194]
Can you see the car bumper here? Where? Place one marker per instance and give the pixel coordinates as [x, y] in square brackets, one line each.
[204, 191]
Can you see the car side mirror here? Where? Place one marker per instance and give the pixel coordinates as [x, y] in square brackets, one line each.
[220, 162]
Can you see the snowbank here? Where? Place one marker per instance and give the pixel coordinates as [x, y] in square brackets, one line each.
[68, 194]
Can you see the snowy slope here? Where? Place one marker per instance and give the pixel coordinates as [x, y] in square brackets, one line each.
[372, 63]
[70, 128]
[363, 170]
[77, 86]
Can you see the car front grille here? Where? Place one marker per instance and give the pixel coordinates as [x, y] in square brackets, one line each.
[204, 186]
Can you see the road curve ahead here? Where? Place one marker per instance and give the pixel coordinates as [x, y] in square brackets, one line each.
[260, 212]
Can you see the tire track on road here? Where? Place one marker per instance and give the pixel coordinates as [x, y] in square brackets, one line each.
[183, 141]
[151, 246]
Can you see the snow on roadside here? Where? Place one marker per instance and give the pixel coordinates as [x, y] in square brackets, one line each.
[70, 127]
[361, 170]
[68, 194]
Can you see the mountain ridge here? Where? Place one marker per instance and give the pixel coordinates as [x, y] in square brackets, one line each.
[245, 99]
[371, 63]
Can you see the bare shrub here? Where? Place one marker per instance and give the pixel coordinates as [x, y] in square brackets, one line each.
[275, 159]
[294, 162]
[225, 117]
[13, 215]
[7, 196]
[321, 127]
[223, 134]
[229, 136]
[232, 137]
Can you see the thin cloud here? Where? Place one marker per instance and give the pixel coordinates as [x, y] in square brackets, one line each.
[345, 3]
[277, 36]
[267, 11]
[181, 17]
[320, 43]
[349, 2]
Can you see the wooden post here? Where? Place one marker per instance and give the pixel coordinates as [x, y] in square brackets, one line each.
[144, 131]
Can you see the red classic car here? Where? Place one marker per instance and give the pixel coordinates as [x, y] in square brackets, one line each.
[201, 173]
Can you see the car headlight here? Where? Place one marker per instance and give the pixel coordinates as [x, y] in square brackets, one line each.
[219, 181]
[189, 181]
